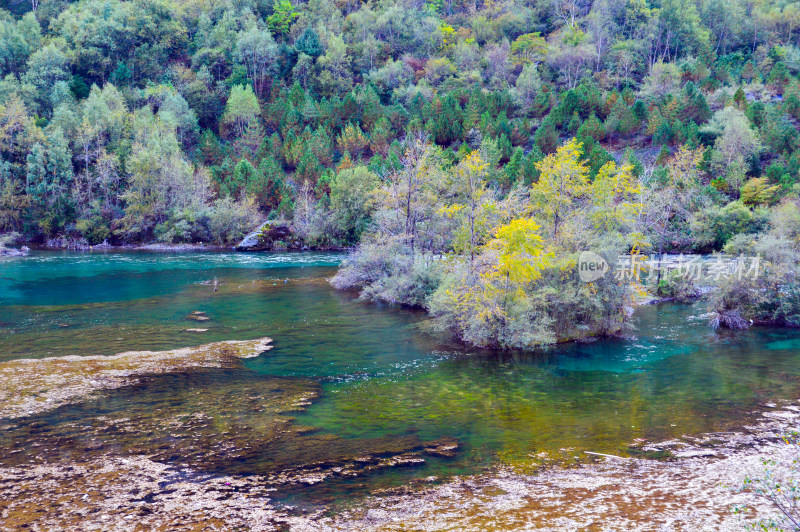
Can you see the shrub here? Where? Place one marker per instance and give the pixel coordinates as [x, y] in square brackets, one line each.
[770, 297]
[95, 230]
[388, 272]
[230, 220]
[713, 227]
[678, 287]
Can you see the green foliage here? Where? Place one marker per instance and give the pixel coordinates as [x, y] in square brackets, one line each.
[230, 220]
[529, 48]
[713, 227]
[309, 44]
[677, 286]
[622, 120]
[771, 297]
[243, 175]
[95, 230]
[282, 17]
[546, 137]
[49, 180]
[241, 110]
[352, 201]
[79, 87]
[591, 132]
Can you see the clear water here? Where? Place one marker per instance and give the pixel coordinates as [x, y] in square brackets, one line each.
[382, 383]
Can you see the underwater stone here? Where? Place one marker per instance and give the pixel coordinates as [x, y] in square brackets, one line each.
[34, 385]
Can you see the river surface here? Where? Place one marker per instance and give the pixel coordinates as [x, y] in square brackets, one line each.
[377, 376]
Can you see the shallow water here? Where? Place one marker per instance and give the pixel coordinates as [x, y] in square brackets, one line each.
[381, 386]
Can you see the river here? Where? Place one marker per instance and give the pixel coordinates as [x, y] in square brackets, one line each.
[380, 384]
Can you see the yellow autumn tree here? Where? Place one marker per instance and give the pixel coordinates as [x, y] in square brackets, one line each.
[528, 49]
[521, 258]
[490, 307]
[520, 252]
[563, 181]
[615, 198]
[352, 140]
[472, 207]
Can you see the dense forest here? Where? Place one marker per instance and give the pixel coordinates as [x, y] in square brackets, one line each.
[471, 149]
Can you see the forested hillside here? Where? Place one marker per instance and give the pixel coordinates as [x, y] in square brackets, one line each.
[471, 147]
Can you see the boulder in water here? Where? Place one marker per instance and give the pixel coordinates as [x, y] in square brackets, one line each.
[268, 236]
[251, 241]
[13, 252]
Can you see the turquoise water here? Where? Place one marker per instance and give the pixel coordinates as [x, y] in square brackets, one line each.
[380, 382]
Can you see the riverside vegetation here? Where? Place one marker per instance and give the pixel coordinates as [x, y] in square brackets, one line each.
[470, 150]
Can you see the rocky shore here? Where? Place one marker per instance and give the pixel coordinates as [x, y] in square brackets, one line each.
[131, 493]
[145, 440]
[62, 243]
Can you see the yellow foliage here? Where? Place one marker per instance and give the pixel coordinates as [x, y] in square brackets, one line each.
[448, 35]
[474, 204]
[562, 181]
[521, 255]
[758, 191]
[615, 197]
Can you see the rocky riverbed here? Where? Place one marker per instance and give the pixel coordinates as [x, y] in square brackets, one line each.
[698, 487]
[150, 439]
[146, 440]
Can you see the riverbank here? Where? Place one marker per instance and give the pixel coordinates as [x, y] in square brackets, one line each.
[695, 486]
[62, 245]
[173, 454]
[276, 238]
[176, 248]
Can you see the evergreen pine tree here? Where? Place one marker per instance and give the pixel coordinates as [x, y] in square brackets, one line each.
[530, 171]
[546, 137]
[514, 169]
[309, 43]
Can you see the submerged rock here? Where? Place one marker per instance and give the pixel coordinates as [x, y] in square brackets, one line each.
[175, 442]
[444, 447]
[28, 386]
